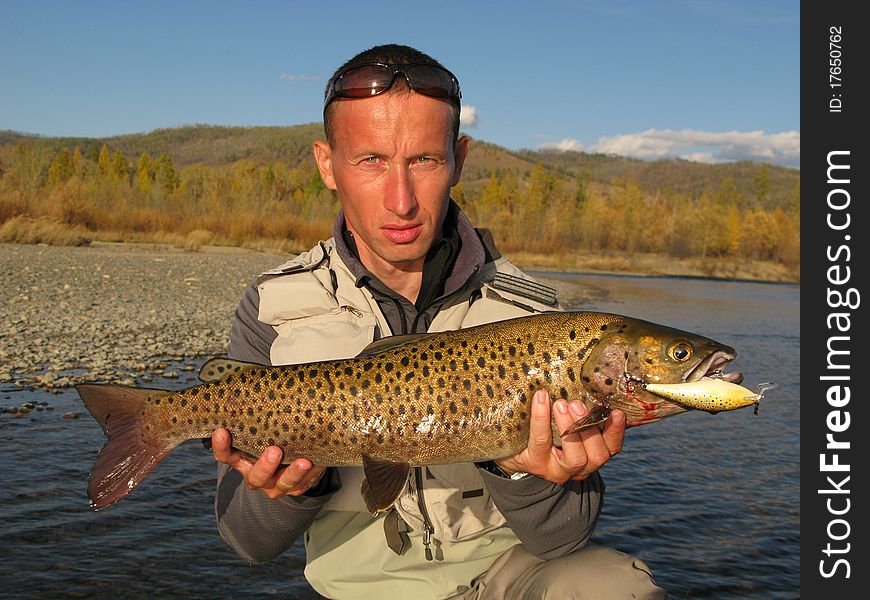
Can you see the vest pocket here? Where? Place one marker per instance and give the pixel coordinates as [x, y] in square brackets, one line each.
[340, 333]
[458, 502]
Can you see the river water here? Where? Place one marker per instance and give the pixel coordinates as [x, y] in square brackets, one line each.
[709, 502]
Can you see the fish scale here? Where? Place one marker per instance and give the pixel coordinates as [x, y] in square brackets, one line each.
[440, 398]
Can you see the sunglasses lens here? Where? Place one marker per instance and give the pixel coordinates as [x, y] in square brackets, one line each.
[432, 81]
[367, 80]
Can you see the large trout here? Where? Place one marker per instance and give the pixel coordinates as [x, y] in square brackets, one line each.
[457, 396]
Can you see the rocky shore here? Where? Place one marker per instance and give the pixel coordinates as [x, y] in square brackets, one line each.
[116, 312]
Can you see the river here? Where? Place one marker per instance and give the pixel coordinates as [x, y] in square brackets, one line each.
[711, 503]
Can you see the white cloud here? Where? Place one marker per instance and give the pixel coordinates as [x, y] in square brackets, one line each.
[563, 145]
[286, 77]
[468, 116]
[703, 146]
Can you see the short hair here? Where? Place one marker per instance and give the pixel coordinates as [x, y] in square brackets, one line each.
[394, 54]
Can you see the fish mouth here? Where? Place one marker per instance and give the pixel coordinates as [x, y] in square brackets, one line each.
[713, 366]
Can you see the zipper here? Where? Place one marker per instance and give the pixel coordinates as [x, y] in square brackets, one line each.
[428, 529]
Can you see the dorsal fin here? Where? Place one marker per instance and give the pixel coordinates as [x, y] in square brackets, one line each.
[391, 342]
[217, 368]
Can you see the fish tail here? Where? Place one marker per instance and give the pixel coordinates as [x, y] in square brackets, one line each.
[134, 446]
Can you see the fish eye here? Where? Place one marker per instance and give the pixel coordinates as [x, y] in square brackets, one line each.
[680, 351]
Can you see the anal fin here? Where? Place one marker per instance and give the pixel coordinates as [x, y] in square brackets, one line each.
[385, 480]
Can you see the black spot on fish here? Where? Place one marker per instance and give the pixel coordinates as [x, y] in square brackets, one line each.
[464, 344]
[425, 371]
[243, 378]
[608, 381]
[440, 382]
[271, 394]
[331, 426]
[466, 384]
[430, 410]
[157, 402]
[253, 429]
[331, 409]
[571, 375]
[308, 413]
[501, 371]
[352, 390]
[405, 361]
[388, 367]
[379, 399]
[257, 388]
[452, 365]
[273, 375]
[531, 348]
[424, 356]
[438, 356]
[378, 378]
[512, 350]
[175, 419]
[563, 393]
[409, 376]
[365, 384]
[525, 367]
[311, 393]
[489, 391]
[183, 401]
[649, 360]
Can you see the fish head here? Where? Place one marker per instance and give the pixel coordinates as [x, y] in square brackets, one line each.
[634, 353]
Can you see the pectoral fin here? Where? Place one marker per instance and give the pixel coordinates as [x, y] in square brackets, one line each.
[596, 415]
[385, 480]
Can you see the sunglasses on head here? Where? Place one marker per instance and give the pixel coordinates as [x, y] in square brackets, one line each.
[371, 79]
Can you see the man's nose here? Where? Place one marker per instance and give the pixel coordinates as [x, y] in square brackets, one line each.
[400, 199]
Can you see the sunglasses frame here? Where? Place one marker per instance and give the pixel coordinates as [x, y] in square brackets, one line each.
[335, 90]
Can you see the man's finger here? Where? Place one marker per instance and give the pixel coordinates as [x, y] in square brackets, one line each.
[295, 477]
[614, 431]
[540, 432]
[574, 455]
[221, 446]
[263, 470]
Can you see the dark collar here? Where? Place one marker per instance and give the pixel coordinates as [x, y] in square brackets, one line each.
[450, 263]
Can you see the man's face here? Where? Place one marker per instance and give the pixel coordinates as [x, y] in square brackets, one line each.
[393, 161]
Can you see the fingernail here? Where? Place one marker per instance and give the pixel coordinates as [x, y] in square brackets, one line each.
[273, 454]
[541, 397]
[578, 409]
[561, 407]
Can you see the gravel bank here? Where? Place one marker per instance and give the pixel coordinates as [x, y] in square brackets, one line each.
[116, 312]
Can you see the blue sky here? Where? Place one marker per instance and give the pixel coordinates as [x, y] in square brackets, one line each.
[708, 80]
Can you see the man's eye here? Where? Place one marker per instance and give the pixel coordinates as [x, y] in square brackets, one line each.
[370, 160]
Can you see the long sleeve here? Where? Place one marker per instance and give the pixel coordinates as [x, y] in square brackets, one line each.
[550, 520]
[257, 527]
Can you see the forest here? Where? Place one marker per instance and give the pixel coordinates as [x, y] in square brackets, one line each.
[257, 187]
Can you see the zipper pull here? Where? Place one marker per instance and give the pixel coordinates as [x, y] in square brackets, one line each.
[427, 539]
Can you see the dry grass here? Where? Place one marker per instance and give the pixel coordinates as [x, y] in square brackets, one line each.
[27, 230]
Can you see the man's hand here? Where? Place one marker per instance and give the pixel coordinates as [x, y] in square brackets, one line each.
[267, 474]
[581, 453]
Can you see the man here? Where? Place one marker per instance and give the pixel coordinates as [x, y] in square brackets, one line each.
[404, 259]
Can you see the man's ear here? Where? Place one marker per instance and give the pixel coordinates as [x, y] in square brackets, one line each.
[323, 157]
[460, 151]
